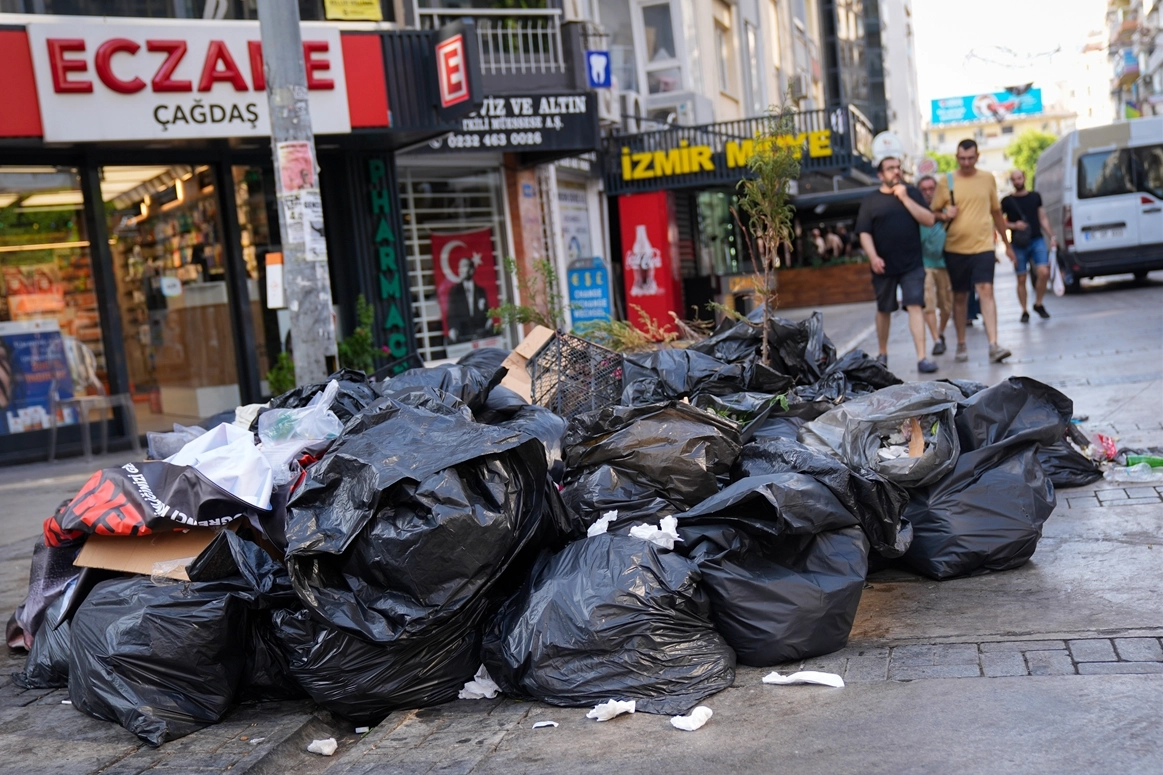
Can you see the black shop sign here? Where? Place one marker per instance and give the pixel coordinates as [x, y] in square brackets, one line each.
[533, 123]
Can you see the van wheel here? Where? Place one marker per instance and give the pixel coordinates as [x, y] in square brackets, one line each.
[1140, 275]
[1074, 286]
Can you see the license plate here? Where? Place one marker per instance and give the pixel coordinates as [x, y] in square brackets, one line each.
[1098, 234]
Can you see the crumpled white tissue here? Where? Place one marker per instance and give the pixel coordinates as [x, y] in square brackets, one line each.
[693, 720]
[611, 708]
[323, 747]
[602, 524]
[544, 724]
[481, 687]
[805, 677]
[664, 535]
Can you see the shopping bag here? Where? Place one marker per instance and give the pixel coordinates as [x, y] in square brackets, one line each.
[1056, 282]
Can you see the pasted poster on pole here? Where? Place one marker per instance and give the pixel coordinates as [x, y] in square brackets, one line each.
[314, 240]
[296, 167]
[32, 355]
[465, 273]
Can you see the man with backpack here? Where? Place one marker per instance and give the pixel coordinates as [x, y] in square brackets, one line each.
[966, 201]
[887, 225]
[1028, 224]
[938, 292]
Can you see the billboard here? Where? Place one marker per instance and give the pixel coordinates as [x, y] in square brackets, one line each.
[996, 106]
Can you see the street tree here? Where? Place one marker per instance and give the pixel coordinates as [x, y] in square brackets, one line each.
[1025, 150]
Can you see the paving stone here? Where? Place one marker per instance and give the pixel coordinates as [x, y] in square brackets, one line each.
[1111, 495]
[865, 669]
[1118, 668]
[1139, 649]
[1141, 492]
[1049, 663]
[1024, 645]
[998, 664]
[1136, 501]
[1092, 650]
[914, 672]
[1082, 503]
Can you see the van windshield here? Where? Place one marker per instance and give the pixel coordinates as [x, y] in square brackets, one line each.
[1106, 173]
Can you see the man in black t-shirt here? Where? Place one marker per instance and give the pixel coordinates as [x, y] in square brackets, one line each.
[1029, 228]
[890, 235]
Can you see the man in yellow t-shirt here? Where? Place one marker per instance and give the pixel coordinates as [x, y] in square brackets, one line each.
[973, 214]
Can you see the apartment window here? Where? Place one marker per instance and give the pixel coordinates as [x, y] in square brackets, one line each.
[756, 96]
[940, 137]
[615, 18]
[1007, 130]
[663, 72]
[724, 48]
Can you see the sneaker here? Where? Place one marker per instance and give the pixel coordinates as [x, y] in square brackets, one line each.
[939, 346]
[997, 353]
[926, 366]
[1026, 316]
[1042, 313]
[882, 359]
[962, 354]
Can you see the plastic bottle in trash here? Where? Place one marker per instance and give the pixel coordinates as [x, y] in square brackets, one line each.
[1155, 461]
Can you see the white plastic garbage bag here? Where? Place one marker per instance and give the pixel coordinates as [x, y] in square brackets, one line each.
[228, 457]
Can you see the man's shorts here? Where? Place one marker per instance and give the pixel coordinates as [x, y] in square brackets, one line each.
[938, 292]
[1035, 253]
[912, 285]
[969, 269]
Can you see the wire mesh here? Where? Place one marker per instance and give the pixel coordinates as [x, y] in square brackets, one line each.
[571, 375]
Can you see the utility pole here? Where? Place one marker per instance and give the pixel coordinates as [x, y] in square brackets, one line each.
[306, 278]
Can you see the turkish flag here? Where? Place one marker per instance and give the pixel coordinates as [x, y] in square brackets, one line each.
[465, 273]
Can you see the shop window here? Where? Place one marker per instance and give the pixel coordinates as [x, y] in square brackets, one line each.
[47, 288]
[169, 261]
[454, 233]
[258, 221]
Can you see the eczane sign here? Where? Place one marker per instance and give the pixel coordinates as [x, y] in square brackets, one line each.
[100, 80]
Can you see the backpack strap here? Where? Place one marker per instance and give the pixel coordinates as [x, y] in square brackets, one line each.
[949, 182]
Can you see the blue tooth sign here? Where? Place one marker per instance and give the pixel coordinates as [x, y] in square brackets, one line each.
[598, 69]
[589, 290]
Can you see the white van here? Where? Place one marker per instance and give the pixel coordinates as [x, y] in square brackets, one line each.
[1102, 189]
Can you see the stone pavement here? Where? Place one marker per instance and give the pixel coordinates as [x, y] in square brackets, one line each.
[1065, 651]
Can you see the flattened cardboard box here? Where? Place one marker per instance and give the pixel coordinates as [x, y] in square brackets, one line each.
[139, 554]
[518, 379]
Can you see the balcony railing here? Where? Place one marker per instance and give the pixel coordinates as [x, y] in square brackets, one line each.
[512, 42]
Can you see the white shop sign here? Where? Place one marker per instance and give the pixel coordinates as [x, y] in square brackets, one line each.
[158, 79]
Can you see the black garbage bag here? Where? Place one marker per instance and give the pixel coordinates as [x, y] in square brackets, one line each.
[1066, 466]
[47, 666]
[412, 529]
[987, 514]
[486, 360]
[800, 350]
[783, 564]
[786, 423]
[610, 618]
[856, 430]
[162, 661]
[876, 502]
[355, 393]
[366, 681]
[472, 387]
[502, 404]
[545, 426]
[740, 408]
[672, 453]
[854, 374]
[51, 574]
[663, 375]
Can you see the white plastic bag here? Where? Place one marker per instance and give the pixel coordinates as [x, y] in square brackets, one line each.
[227, 456]
[313, 422]
[1057, 283]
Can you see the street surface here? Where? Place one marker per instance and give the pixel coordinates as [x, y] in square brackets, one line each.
[1056, 667]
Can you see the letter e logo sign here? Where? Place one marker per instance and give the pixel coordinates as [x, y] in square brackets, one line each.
[450, 65]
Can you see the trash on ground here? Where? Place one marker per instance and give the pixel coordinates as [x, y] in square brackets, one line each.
[362, 730]
[545, 724]
[323, 747]
[256, 740]
[805, 677]
[1139, 472]
[693, 720]
[481, 687]
[610, 709]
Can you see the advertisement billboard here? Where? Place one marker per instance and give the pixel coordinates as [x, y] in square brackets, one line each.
[996, 106]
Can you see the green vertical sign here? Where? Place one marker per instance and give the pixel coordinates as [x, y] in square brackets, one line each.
[392, 287]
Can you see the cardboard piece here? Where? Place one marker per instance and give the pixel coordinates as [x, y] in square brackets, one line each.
[138, 554]
[518, 379]
[916, 438]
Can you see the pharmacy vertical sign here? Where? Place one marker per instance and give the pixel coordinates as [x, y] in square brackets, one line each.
[391, 283]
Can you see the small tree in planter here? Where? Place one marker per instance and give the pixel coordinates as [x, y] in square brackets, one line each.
[766, 199]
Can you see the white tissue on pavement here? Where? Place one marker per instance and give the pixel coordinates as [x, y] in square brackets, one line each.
[664, 535]
[693, 720]
[362, 730]
[805, 677]
[602, 524]
[544, 724]
[323, 747]
[481, 687]
[611, 708]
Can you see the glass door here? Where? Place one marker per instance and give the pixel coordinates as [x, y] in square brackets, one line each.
[169, 261]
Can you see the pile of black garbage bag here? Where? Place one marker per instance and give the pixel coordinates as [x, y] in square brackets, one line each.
[725, 512]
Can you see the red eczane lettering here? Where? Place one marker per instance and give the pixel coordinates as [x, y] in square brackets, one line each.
[215, 54]
[61, 67]
[163, 79]
[101, 63]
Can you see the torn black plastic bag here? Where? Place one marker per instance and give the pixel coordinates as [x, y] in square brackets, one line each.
[366, 681]
[783, 563]
[854, 431]
[672, 453]
[987, 515]
[162, 661]
[876, 502]
[855, 374]
[414, 521]
[47, 666]
[610, 618]
[1066, 466]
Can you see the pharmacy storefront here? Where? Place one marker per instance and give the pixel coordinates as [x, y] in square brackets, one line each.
[139, 232]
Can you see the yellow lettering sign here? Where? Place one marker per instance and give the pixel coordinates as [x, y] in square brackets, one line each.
[689, 160]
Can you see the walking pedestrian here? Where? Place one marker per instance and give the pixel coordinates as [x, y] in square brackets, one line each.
[966, 200]
[887, 225]
[1029, 227]
[938, 292]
